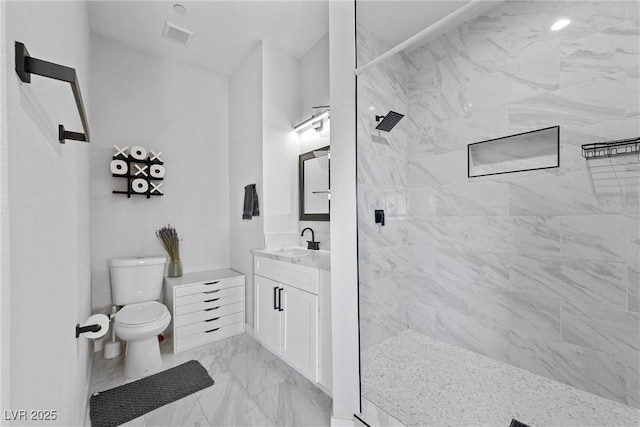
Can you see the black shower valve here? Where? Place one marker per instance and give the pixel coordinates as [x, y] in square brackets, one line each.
[379, 216]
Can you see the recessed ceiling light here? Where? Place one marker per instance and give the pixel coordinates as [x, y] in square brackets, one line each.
[560, 24]
[179, 9]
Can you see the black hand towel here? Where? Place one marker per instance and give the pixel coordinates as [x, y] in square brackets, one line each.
[251, 208]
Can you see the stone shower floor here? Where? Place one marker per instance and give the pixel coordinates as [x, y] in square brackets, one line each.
[253, 387]
[424, 382]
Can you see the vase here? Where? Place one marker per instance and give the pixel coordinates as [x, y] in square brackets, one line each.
[175, 268]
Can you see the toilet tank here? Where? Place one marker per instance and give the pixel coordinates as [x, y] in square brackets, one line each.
[136, 279]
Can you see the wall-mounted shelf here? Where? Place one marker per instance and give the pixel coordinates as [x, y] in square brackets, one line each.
[138, 173]
[534, 150]
[611, 148]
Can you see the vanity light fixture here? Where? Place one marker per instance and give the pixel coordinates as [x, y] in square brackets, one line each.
[560, 24]
[316, 121]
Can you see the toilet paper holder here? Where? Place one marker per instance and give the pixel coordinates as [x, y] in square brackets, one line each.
[87, 328]
[96, 326]
[144, 163]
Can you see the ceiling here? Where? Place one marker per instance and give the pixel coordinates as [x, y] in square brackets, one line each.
[226, 32]
[397, 20]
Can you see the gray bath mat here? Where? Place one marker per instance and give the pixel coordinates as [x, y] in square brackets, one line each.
[121, 404]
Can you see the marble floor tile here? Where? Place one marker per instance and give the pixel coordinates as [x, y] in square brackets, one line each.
[183, 412]
[286, 406]
[227, 403]
[240, 367]
[256, 370]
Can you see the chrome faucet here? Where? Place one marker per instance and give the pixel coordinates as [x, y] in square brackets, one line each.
[311, 244]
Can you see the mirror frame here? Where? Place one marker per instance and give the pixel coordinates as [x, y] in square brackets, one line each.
[313, 216]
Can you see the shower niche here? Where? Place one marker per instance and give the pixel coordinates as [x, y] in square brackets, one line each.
[538, 149]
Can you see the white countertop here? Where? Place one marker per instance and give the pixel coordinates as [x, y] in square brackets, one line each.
[320, 259]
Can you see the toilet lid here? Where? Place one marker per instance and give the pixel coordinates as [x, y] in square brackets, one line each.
[141, 313]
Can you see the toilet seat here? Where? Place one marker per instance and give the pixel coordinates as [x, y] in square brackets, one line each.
[140, 314]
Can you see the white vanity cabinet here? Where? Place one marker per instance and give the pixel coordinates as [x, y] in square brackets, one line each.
[205, 307]
[292, 316]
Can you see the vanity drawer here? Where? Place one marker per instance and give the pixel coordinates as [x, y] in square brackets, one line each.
[209, 286]
[198, 316]
[205, 337]
[208, 295]
[299, 276]
[210, 304]
[209, 324]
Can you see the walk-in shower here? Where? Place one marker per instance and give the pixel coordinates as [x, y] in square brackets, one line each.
[489, 297]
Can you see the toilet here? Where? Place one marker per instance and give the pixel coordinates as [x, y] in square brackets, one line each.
[136, 285]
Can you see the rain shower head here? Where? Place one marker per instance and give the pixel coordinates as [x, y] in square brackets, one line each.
[389, 121]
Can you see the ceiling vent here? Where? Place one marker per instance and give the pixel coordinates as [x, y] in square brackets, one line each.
[177, 34]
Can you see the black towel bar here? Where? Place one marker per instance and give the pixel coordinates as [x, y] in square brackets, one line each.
[27, 65]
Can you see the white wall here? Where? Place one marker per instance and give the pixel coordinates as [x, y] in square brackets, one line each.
[314, 70]
[280, 104]
[314, 78]
[245, 167]
[48, 198]
[344, 267]
[5, 289]
[163, 105]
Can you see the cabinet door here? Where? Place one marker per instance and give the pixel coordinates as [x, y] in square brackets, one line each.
[267, 319]
[299, 344]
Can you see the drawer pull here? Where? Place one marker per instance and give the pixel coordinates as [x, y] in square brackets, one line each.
[211, 320]
[211, 283]
[210, 309]
[211, 292]
[212, 300]
[211, 330]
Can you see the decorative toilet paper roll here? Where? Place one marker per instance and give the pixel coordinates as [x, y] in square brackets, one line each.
[119, 167]
[157, 171]
[140, 185]
[97, 319]
[138, 153]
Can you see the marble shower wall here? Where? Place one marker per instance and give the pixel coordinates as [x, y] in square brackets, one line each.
[382, 182]
[538, 269]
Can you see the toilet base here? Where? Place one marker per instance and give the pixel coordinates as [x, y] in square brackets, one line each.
[142, 358]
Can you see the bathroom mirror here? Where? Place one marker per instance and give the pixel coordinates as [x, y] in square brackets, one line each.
[315, 184]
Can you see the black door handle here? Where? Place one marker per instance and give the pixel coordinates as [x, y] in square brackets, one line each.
[280, 299]
[275, 296]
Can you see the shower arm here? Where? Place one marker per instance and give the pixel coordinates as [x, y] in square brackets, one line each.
[437, 28]
[27, 65]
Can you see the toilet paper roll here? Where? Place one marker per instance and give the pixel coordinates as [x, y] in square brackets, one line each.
[157, 171]
[138, 153]
[97, 319]
[139, 185]
[119, 167]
